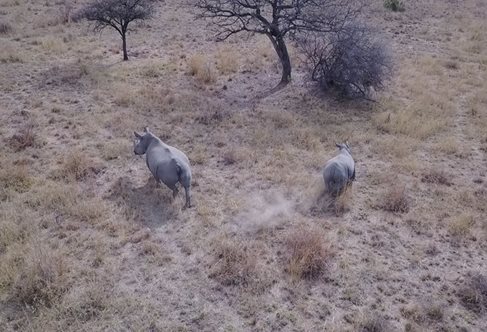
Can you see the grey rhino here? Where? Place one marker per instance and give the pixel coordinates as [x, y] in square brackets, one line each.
[339, 171]
[166, 163]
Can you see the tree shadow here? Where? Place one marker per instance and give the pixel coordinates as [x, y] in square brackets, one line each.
[149, 205]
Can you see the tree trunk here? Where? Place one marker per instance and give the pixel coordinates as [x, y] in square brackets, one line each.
[282, 53]
[124, 46]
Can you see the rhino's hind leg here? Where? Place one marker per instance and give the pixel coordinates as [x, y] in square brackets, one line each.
[175, 192]
[188, 197]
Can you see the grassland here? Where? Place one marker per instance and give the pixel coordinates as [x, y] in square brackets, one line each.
[89, 242]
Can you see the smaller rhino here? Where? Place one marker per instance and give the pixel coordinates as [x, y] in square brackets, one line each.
[339, 171]
[166, 163]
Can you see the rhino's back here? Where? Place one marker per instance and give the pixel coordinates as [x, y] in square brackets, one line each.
[178, 155]
[341, 164]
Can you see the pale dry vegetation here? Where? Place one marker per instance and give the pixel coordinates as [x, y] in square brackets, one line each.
[395, 199]
[235, 263]
[473, 293]
[309, 253]
[89, 242]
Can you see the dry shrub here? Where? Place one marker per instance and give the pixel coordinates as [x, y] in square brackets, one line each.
[77, 166]
[448, 146]
[461, 225]
[10, 56]
[227, 62]
[395, 200]
[65, 11]
[202, 69]
[53, 45]
[437, 177]
[5, 28]
[353, 63]
[373, 324]
[235, 263]
[473, 293]
[25, 137]
[427, 312]
[451, 64]
[40, 276]
[14, 177]
[230, 157]
[114, 150]
[212, 117]
[67, 74]
[308, 253]
[154, 253]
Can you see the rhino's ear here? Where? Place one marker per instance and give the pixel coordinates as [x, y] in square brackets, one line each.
[347, 144]
[137, 134]
[338, 145]
[146, 129]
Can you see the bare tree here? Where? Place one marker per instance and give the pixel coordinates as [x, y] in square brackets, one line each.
[116, 14]
[351, 62]
[276, 19]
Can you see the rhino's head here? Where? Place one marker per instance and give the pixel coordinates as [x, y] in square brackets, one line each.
[142, 141]
[344, 146]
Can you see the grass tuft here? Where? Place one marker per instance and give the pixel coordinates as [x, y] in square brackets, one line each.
[309, 254]
[395, 200]
[473, 293]
[25, 137]
[235, 264]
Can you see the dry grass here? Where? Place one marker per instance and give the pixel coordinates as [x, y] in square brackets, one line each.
[227, 61]
[413, 121]
[16, 226]
[309, 253]
[448, 146]
[234, 264]
[15, 177]
[424, 314]
[437, 177]
[202, 69]
[39, 276]
[461, 225]
[114, 150]
[130, 259]
[67, 200]
[76, 165]
[25, 137]
[373, 323]
[473, 293]
[395, 199]
[395, 147]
